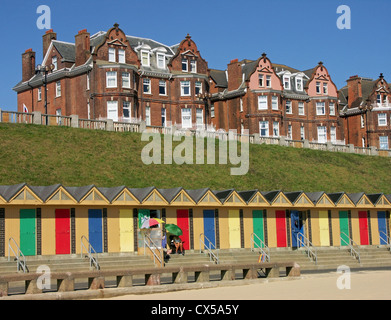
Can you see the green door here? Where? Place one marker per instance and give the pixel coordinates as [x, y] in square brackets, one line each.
[27, 232]
[344, 227]
[258, 227]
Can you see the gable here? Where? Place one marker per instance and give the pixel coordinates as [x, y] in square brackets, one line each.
[61, 196]
[125, 198]
[364, 202]
[94, 196]
[25, 196]
[209, 199]
[234, 199]
[258, 199]
[281, 200]
[345, 201]
[183, 199]
[382, 202]
[304, 201]
[154, 198]
[325, 201]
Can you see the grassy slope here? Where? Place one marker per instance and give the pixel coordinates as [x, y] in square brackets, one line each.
[41, 155]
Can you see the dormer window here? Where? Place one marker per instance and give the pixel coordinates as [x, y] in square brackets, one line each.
[185, 65]
[54, 62]
[121, 56]
[325, 90]
[112, 55]
[193, 66]
[318, 87]
[145, 58]
[161, 61]
[268, 81]
[287, 83]
[299, 84]
[261, 80]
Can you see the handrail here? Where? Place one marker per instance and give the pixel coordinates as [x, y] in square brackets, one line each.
[93, 260]
[350, 244]
[263, 245]
[306, 243]
[155, 256]
[211, 254]
[387, 240]
[19, 262]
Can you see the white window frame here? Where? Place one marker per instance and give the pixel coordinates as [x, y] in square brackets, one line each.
[333, 134]
[186, 118]
[111, 79]
[302, 132]
[88, 81]
[321, 108]
[198, 86]
[287, 82]
[40, 94]
[121, 56]
[264, 125]
[383, 145]
[268, 81]
[382, 119]
[241, 104]
[288, 107]
[147, 84]
[318, 89]
[126, 80]
[148, 116]
[322, 134]
[276, 129]
[145, 59]
[163, 84]
[193, 66]
[289, 133]
[161, 60]
[199, 118]
[58, 89]
[185, 62]
[112, 104]
[261, 79]
[185, 85]
[325, 88]
[54, 62]
[301, 109]
[274, 102]
[332, 108]
[362, 122]
[299, 80]
[164, 116]
[112, 55]
[262, 103]
[126, 105]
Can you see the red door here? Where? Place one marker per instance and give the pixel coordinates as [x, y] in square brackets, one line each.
[63, 225]
[363, 223]
[281, 228]
[183, 223]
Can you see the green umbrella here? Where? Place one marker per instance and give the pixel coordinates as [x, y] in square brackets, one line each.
[174, 229]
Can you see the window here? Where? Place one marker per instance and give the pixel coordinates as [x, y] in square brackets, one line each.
[111, 79]
[126, 111]
[333, 134]
[39, 94]
[276, 129]
[261, 80]
[161, 61]
[198, 87]
[302, 133]
[212, 110]
[320, 108]
[264, 128]
[301, 109]
[262, 102]
[299, 84]
[199, 118]
[121, 56]
[385, 101]
[163, 117]
[288, 107]
[322, 134]
[146, 85]
[185, 88]
[58, 89]
[318, 87]
[325, 88]
[54, 62]
[112, 110]
[145, 58]
[88, 81]
[111, 54]
[287, 83]
[362, 121]
[241, 104]
[162, 87]
[289, 131]
[363, 142]
[275, 103]
[126, 80]
[378, 98]
[332, 108]
[193, 66]
[186, 118]
[383, 142]
[148, 116]
[58, 118]
[382, 119]
[269, 81]
[184, 65]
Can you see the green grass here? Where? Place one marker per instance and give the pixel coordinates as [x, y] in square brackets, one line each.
[40, 155]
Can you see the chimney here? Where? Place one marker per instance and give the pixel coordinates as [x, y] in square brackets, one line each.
[47, 39]
[82, 47]
[28, 65]
[234, 75]
[354, 89]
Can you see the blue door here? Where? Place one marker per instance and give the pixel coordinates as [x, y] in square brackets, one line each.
[296, 226]
[95, 229]
[209, 228]
[381, 218]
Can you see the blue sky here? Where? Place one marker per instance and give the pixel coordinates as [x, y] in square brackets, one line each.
[297, 33]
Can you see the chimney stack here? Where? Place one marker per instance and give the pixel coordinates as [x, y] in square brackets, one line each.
[354, 89]
[82, 47]
[28, 65]
[234, 75]
[47, 39]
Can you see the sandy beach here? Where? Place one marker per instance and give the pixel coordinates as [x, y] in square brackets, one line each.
[364, 285]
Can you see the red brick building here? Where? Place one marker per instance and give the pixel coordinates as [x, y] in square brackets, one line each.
[111, 75]
[366, 112]
[276, 100]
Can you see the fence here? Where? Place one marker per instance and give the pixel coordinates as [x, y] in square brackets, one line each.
[109, 125]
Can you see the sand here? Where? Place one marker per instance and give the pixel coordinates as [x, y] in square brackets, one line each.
[367, 285]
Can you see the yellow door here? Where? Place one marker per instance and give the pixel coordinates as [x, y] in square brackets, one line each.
[126, 230]
[234, 228]
[324, 228]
